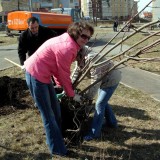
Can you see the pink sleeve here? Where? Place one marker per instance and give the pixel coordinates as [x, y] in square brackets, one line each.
[62, 78]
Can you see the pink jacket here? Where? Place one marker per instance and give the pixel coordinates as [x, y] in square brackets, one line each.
[54, 58]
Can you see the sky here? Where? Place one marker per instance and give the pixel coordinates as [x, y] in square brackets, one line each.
[143, 3]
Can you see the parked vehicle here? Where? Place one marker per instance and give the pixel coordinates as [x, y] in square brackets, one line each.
[87, 18]
[73, 12]
[17, 20]
[2, 25]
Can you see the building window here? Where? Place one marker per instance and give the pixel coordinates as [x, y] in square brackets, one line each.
[71, 1]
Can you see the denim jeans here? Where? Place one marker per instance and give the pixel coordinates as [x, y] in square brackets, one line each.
[103, 110]
[45, 98]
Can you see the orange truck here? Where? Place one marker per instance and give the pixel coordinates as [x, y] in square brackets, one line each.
[17, 20]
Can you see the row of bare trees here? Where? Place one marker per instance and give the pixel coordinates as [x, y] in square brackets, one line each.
[124, 56]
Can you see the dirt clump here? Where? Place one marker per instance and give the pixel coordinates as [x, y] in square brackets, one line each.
[13, 94]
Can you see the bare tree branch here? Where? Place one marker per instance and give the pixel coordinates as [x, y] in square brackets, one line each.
[128, 54]
[87, 67]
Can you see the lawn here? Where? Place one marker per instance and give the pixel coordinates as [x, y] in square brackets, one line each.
[22, 135]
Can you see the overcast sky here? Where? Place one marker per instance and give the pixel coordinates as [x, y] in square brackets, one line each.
[143, 3]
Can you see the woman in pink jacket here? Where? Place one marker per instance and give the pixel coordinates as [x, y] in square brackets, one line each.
[54, 58]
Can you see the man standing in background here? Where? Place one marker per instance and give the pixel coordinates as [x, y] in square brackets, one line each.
[32, 38]
[115, 25]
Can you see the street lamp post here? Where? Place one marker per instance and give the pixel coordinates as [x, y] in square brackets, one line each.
[18, 6]
[30, 5]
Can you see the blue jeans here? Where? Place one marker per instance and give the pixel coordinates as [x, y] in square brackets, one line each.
[103, 110]
[45, 98]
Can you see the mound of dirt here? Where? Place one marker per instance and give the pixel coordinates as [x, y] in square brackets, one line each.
[13, 93]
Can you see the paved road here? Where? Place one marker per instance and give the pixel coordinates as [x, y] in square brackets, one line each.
[9, 52]
[142, 80]
[134, 78]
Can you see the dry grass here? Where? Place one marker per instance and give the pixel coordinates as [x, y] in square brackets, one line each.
[7, 40]
[137, 136]
[152, 53]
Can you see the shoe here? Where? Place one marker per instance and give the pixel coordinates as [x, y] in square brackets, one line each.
[35, 105]
[109, 125]
[68, 154]
[107, 128]
[58, 156]
[88, 138]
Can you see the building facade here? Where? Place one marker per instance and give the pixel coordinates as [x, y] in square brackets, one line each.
[109, 9]
[156, 10]
[106, 9]
[11, 5]
[103, 9]
[66, 3]
[26, 5]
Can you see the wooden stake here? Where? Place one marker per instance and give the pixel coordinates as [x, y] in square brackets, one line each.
[16, 64]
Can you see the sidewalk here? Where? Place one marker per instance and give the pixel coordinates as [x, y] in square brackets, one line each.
[133, 77]
[9, 52]
[142, 80]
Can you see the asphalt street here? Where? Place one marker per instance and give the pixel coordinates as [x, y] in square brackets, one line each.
[135, 78]
[142, 80]
[9, 52]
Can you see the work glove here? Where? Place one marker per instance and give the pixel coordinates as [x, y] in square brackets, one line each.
[23, 68]
[77, 98]
[60, 95]
[58, 89]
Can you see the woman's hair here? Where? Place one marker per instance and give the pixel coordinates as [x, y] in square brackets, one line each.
[75, 29]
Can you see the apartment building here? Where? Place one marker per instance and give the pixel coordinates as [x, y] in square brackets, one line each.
[36, 5]
[69, 3]
[11, 5]
[119, 9]
[26, 5]
[103, 9]
[86, 7]
[106, 9]
[115, 9]
[156, 10]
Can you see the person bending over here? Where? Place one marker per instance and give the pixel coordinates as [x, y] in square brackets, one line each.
[105, 88]
[54, 58]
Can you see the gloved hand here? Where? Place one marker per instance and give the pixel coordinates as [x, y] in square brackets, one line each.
[23, 68]
[77, 98]
[58, 89]
[59, 96]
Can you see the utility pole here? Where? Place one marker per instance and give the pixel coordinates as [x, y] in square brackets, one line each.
[94, 10]
[30, 5]
[18, 6]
